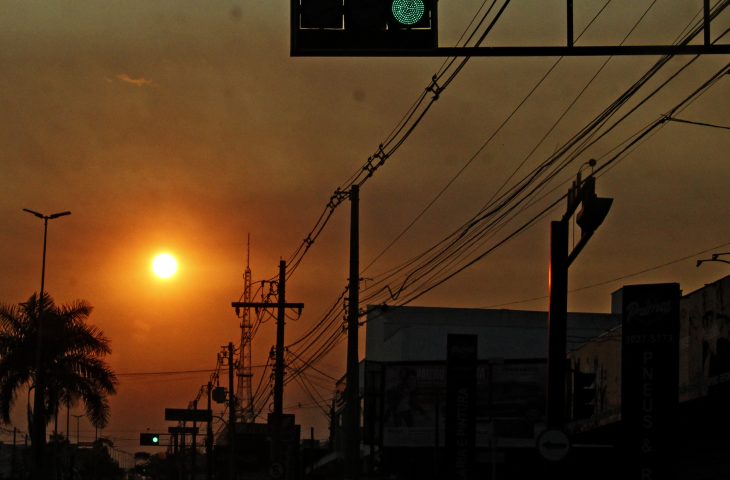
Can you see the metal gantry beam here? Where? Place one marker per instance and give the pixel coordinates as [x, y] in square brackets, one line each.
[340, 42]
[536, 51]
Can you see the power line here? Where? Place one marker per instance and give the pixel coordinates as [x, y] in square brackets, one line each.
[449, 255]
[692, 122]
[615, 279]
[385, 150]
[511, 197]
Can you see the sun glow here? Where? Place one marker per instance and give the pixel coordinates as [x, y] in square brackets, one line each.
[164, 265]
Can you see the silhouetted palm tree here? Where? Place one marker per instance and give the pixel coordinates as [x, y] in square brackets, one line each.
[72, 359]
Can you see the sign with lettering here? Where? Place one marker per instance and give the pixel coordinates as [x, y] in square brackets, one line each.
[187, 415]
[553, 445]
[650, 378]
[461, 390]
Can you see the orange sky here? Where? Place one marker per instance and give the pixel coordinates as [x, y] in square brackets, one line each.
[184, 126]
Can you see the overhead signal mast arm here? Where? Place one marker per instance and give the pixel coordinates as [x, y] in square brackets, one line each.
[368, 28]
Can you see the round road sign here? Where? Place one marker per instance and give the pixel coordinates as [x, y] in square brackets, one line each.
[276, 470]
[553, 445]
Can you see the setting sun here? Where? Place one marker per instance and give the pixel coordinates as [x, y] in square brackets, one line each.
[164, 265]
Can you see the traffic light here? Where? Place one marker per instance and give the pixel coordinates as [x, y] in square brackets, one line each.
[151, 439]
[584, 395]
[594, 209]
[363, 27]
[408, 14]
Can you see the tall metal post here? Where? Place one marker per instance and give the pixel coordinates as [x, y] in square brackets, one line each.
[557, 323]
[280, 317]
[231, 417]
[570, 23]
[181, 457]
[352, 408]
[594, 211]
[706, 22]
[38, 433]
[276, 416]
[244, 392]
[39, 405]
[209, 441]
[194, 445]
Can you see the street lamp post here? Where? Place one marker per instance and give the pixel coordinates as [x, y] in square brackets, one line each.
[45, 237]
[39, 426]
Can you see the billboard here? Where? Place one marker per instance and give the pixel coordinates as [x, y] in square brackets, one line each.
[705, 343]
[461, 389]
[650, 378]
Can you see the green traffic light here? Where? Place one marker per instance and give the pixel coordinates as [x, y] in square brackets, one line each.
[408, 12]
[150, 439]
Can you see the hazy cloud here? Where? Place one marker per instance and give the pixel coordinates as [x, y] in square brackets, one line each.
[137, 82]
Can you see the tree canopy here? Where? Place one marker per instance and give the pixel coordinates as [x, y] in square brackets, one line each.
[72, 357]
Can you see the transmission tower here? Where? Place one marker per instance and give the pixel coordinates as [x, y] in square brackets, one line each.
[244, 392]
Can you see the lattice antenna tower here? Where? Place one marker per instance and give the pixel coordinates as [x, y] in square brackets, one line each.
[244, 391]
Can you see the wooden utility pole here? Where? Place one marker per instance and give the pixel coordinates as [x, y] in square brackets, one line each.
[352, 394]
[281, 305]
[194, 445]
[231, 417]
[280, 319]
[209, 441]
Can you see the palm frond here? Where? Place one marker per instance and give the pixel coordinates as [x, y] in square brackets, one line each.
[72, 357]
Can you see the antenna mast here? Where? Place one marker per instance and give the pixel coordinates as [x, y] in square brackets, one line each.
[244, 392]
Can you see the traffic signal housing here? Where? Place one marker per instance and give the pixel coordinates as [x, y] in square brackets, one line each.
[594, 208]
[363, 27]
[149, 439]
[584, 395]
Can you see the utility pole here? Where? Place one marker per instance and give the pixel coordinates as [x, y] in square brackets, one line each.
[280, 319]
[181, 457]
[231, 417]
[281, 305]
[209, 441]
[352, 398]
[194, 444]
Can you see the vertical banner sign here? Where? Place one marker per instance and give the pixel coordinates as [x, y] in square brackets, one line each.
[650, 379]
[461, 390]
[372, 403]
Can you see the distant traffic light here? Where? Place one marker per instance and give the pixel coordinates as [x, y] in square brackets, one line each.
[584, 395]
[322, 27]
[151, 439]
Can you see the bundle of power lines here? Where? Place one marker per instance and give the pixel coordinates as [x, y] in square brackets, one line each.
[514, 207]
